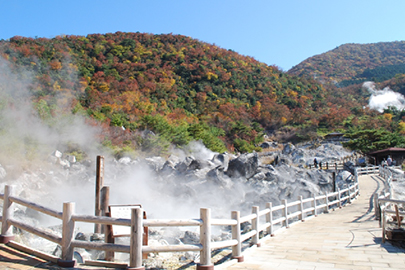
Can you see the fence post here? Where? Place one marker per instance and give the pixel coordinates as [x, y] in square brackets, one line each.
[135, 256]
[339, 197]
[255, 226]
[270, 218]
[99, 185]
[68, 228]
[8, 212]
[326, 202]
[104, 202]
[301, 207]
[108, 238]
[350, 195]
[285, 213]
[314, 204]
[237, 249]
[376, 207]
[205, 239]
[334, 181]
[383, 226]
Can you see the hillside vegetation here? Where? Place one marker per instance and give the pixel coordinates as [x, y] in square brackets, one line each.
[181, 89]
[355, 63]
[345, 69]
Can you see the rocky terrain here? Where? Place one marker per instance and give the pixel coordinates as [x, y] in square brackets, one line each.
[176, 187]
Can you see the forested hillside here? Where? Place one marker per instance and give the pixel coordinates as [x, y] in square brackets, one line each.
[355, 63]
[179, 88]
[176, 86]
[345, 69]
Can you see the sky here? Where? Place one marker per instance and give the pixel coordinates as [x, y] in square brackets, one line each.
[281, 33]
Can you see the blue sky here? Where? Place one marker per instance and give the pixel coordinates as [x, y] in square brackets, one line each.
[282, 33]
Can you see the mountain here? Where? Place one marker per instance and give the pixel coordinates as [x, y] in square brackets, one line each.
[148, 92]
[355, 63]
[345, 69]
[178, 87]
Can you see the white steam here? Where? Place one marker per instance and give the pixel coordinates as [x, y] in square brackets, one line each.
[196, 149]
[23, 132]
[382, 99]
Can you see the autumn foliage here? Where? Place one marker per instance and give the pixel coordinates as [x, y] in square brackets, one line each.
[178, 87]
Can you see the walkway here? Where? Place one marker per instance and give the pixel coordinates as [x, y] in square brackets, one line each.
[349, 238]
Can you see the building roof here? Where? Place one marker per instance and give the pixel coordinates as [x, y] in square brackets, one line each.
[334, 134]
[392, 149]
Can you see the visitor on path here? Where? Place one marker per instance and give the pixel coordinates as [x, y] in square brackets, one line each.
[389, 161]
[315, 163]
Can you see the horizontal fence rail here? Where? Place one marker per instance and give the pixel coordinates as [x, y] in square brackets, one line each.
[264, 222]
[387, 193]
[391, 215]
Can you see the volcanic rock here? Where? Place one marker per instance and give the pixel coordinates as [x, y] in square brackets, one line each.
[243, 166]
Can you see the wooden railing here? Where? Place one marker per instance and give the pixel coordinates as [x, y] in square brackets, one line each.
[338, 165]
[264, 222]
[367, 170]
[391, 214]
[388, 210]
[386, 193]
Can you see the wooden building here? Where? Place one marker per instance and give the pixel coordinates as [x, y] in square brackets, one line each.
[397, 155]
[335, 137]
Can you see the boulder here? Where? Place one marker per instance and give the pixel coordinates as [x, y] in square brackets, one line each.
[183, 166]
[349, 166]
[190, 238]
[221, 160]
[198, 164]
[265, 145]
[288, 148]
[343, 179]
[124, 160]
[243, 166]
[57, 154]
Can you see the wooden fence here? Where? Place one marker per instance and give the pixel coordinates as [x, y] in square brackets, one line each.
[391, 214]
[386, 193]
[388, 210]
[264, 223]
[338, 165]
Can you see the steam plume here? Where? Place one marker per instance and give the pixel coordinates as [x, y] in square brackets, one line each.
[382, 99]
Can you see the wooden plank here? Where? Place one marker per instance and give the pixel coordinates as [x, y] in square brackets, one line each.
[223, 244]
[102, 220]
[105, 264]
[101, 246]
[172, 223]
[37, 231]
[32, 251]
[223, 222]
[247, 218]
[37, 207]
[171, 248]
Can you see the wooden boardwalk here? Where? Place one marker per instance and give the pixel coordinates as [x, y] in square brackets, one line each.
[12, 259]
[349, 238]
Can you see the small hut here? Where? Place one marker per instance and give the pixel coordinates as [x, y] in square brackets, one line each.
[397, 155]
